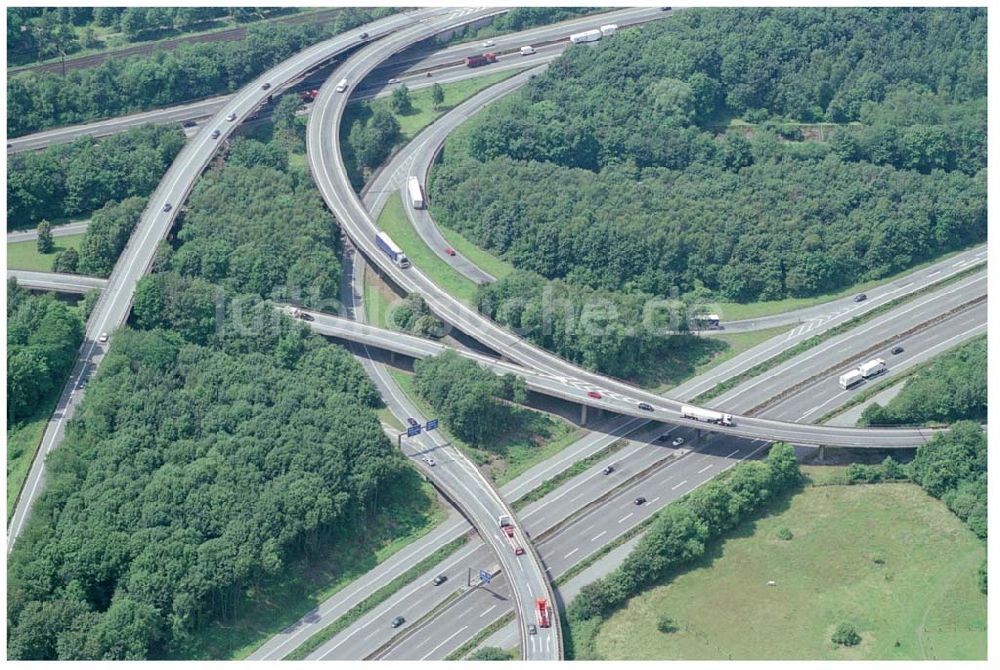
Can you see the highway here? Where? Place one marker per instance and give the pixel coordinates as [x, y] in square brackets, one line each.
[53, 281]
[408, 67]
[113, 307]
[74, 228]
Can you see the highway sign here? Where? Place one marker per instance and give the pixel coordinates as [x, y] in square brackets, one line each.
[485, 576]
[432, 424]
[412, 430]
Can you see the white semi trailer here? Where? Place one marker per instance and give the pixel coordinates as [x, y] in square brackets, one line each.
[873, 367]
[415, 192]
[850, 378]
[707, 415]
[586, 36]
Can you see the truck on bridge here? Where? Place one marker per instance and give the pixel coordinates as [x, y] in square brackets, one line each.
[415, 192]
[542, 611]
[707, 415]
[391, 249]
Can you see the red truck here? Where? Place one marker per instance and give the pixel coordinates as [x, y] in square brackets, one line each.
[542, 608]
[476, 61]
[507, 526]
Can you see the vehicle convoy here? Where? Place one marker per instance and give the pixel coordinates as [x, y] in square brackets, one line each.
[391, 249]
[876, 366]
[850, 378]
[480, 59]
[586, 36]
[415, 193]
[542, 610]
[707, 415]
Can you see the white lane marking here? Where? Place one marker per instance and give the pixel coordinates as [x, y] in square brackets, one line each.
[654, 500]
[733, 454]
[931, 274]
[572, 552]
[599, 536]
[487, 611]
[443, 642]
[707, 467]
[679, 485]
[626, 517]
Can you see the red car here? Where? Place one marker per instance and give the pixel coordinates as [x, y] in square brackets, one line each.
[594, 394]
[449, 251]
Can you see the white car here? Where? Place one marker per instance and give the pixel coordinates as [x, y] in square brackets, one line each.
[489, 43]
[429, 461]
[678, 441]
[103, 338]
[231, 117]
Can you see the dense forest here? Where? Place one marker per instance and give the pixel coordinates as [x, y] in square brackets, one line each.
[952, 467]
[43, 335]
[257, 227]
[608, 170]
[73, 180]
[36, 101]
[951, 388]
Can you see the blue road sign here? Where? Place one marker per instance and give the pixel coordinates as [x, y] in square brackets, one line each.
[485, 576]
[412, 430]
[432, 424]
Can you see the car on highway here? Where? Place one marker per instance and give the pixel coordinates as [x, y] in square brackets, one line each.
[397, 622]
[532, 629]
[440, 579]
[189, 124]
[861, 297]
[594, 394]
[429, 461]
[413, 422]
[608, 470]
[678, 441]
[639, 501]
[103, 337]
[645, 406]
[663, 438]
[519, 551]
[897, 350]
[216, 133]
[449, 251]
[266, 85]
[363, 36]
[231, 116]
[489, 43]
[167, 207]
[306, 317]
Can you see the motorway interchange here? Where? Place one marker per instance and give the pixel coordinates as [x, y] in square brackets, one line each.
[590, 510]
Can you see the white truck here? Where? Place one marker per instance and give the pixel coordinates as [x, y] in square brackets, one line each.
[609, 29]
[707, 415]
[586, 36]
[527, 50]
[873, 367]
[850, 378]
[415, 192]
[391, 249]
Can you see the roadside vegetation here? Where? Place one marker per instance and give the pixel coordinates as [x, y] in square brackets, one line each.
[605, 172]
[36, 101]
[888, 561]
[26, 256]
[70, 181]
[950, 388]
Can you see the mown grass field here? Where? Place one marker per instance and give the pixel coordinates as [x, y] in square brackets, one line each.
[22, 442]
[25, 256]
[887, 558]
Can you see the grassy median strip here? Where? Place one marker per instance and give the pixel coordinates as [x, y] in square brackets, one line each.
[375, 599]
[460, 653]
[892, 381]
[805, 345]
[550, 485]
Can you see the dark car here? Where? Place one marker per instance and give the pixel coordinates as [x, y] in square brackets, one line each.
[216, 133]
[306, 317]
[449, 251]
[897, 350]
[397, 622]
[189, 124]
[646, 406]
[608, 470]
[363, 36]
[413, 422]
[440, 579]
[861, 297]
[639, 501]
[266, 86]
[663, 438]
[167, 207]
[532, 629]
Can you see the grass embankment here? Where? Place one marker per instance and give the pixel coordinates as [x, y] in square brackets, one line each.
[375, 599]
[533, 438]
[393, 220]
[408, 515]
[887, 558]
[22, 443]
[25, 256]
[734, 311]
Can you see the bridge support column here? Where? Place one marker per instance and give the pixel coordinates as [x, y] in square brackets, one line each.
[583, 415]
[821, 453]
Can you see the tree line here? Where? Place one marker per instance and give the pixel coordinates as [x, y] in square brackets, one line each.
[607, 170]
[682, 530]
[951, 388]
[36, 101]
[73, 180]
[43, 335]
